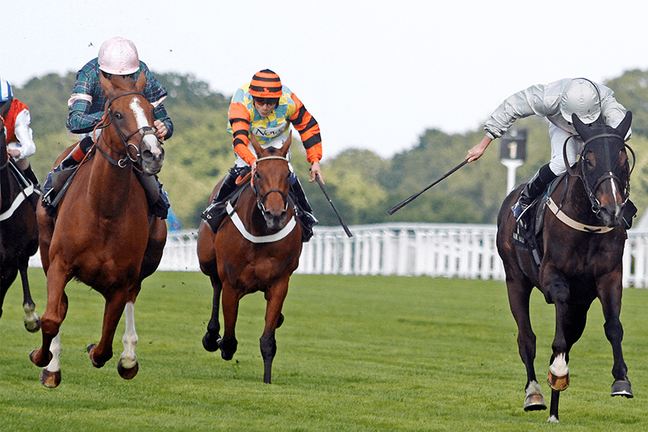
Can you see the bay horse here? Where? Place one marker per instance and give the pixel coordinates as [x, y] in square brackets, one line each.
[18, 231]
[580, 250]
[102, 233]
[256, 248]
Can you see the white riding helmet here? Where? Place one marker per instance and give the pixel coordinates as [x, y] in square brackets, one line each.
[5, 91]
[118, 56]
[582, 98]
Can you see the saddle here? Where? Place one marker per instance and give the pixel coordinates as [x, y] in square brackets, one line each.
[528, 236]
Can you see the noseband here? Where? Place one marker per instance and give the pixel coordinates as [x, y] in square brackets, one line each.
[143, 131]
[261, 198]
[607, 175]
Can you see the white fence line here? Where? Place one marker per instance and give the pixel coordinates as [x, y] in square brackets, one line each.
[403, 249]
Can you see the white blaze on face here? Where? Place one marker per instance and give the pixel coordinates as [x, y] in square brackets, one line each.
[142, 121]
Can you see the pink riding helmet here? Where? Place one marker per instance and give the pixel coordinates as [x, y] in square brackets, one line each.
[118, 56]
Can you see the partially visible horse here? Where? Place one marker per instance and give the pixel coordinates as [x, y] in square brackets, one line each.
[256, 248]
[580, 249]
[103, 234]
[18, 231]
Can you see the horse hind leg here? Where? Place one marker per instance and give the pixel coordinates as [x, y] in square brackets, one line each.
[31, 319]
[127, 365]
[211, 339]
[102, 352]
[50, 376]
[268, 352]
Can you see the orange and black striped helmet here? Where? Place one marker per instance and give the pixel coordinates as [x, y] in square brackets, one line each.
[265, 84]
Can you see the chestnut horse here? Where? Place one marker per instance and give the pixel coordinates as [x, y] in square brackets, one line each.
[580, 248]
[256, 248]
[18, 231]
[103, 234]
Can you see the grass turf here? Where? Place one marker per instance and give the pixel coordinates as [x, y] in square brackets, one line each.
[354, 354]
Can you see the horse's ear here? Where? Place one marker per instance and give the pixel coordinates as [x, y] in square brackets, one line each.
[141, 82]
[580, 127]
[255, 144]
[624, 126]
[286, 146]
[105, 84]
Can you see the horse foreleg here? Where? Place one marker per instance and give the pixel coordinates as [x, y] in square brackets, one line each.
[210, 340]
[519, 296]
[553, 410]
[128, 366]
[55, 311]
[50, 376]
[31, 319]
[102, 352]
[228, 342]
[275, 298]
[610, 296]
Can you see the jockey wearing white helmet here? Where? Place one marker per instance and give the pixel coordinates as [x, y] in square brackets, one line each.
[556, 102]
[17, 130]
[118, 56]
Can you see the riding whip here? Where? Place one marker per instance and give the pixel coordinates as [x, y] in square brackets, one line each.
[413, 197]
[346, 229]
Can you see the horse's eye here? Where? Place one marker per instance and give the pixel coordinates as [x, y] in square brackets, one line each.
[119, 115]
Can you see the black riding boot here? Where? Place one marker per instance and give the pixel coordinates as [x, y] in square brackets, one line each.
[59, 175]
[305, 212]
[215, 212]
[533, 189]
[31, 176]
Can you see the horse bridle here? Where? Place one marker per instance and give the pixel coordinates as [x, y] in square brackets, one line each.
[609, 175]
[261, 198]
[144, 130]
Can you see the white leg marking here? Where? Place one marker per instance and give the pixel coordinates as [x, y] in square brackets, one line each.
[533, 388]
[31, 317]
[559, 366]
[55, 348]
[553, 419]
[128, 358]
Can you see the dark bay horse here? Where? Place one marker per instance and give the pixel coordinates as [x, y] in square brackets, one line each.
[581, 248]
[18, 231]
[256, 248]
[103, 234]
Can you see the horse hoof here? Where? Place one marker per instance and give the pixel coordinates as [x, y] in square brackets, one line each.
[228, 348]
[281, 320]
[44, 360]
[558, 383]
[50, 379]
[32, 326]
[209, 344]
[622, 388]
[94, 363]
[534, 402]
[553, 419]
[127, 373]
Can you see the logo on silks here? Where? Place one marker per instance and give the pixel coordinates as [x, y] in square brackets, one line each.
[269, 132]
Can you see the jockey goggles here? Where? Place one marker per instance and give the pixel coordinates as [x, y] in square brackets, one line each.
[266, 101]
